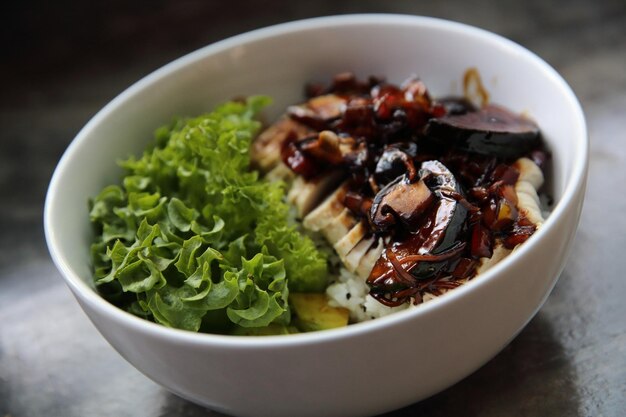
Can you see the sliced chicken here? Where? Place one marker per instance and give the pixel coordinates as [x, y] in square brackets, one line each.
[339, 226]
[530, 180]
[280, 172]
[367, 261]
[499, 253]
[266, 150]
[350, 240]
[305, 195]
[330, 208]
[529, 172]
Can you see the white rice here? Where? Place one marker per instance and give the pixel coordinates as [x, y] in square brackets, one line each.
[351, 292]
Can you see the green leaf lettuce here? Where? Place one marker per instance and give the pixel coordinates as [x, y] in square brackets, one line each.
[192, 231]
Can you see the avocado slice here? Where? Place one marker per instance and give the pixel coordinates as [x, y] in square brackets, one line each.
[311, 312]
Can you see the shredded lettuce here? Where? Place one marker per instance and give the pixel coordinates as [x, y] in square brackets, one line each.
[192, 238]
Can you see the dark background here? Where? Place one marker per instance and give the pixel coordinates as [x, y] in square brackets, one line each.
[61, 61]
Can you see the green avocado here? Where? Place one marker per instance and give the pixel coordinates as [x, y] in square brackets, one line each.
[311, 312]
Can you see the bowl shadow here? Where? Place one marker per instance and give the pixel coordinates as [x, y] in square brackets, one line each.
[531, 376]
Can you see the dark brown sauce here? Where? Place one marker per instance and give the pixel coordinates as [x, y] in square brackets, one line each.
[473, 88]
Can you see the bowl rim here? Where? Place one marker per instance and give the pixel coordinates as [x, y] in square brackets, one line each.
[86, 294]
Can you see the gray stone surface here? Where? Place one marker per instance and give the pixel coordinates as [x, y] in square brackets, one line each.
[62, 61]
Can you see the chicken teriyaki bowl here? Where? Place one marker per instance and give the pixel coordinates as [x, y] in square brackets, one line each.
[190, 215]
[365, 199]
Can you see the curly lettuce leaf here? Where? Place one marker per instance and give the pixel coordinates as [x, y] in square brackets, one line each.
[192, 238]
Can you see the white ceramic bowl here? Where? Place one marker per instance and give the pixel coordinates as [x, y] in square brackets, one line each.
[366, 368]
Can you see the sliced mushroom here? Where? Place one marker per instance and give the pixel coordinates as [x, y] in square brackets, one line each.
[456, 105]
[492, 130]
[449, 218]
[325, 147]
[357, 203]
[400, 202]
[396, 160]
[318, 111]
[425, 253]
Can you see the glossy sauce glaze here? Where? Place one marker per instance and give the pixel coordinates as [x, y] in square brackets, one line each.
[435, 179]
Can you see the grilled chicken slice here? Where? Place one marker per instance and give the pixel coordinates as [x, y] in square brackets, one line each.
[330, 208]
[529, 172]
[345, 245]
[368, 260]
[499, 253]
[353, 258]
[530, 180]
[339, 226]
[266, 150]
[280, 172]
[305, 195]
[359, 254]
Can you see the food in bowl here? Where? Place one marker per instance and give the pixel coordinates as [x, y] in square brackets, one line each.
[399, 198]
[457, 333]
[416, 196]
